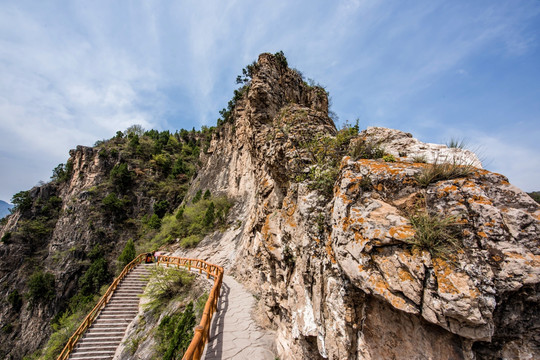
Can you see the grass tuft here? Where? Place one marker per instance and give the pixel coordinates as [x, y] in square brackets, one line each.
[456, 143]
[443, 171]
[438, 235]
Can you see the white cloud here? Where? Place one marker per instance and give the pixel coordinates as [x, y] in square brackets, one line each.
[74, 74]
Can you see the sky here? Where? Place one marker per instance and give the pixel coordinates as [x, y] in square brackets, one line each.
[74, 72]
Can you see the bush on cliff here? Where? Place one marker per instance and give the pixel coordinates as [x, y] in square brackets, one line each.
[128, 254]
[41, 287]
[191, 222]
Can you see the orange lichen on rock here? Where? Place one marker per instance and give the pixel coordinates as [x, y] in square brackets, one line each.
[344, 162]
[289, 208]
[452, 282]
[482, 234]
[358, 238]
[401, 232]
[480, 200]
[267, 235]
[346, 221]
[330, 251]
[405, 275]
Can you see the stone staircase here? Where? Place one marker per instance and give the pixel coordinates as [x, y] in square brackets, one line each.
[106, 333]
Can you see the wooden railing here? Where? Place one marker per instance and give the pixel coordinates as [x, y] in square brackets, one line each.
[196, 347]
[87, 322]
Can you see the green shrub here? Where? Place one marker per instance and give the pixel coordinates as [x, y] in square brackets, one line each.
[128, 254]
[41, 287]
[114, 206]
[282, 60]
[6, 238]
[163, 163]
[36, 230]
[389, 158]
[535, 195]
[63, 173]
[190, 241]
[197, 197]
[179, 167]
[200, 304]
[96, 276]
[121, 177]
[323, 179]
[175, 332]
[442, 171]
[7, 328]
[210, 215]
[154, 222]
[438, 235]
[207, 195]
[160, 208]
[22, 201]
[165, 285]
[192, 222]
[366, 150]
[65, 326]
[15, 300]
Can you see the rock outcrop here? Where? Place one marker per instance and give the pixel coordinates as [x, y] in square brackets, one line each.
[337, 276]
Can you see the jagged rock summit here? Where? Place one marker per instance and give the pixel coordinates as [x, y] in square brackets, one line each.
[356, 244]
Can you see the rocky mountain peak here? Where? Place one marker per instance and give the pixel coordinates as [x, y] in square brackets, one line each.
[275, 85]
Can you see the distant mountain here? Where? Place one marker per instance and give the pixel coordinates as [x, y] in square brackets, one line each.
[4, 208]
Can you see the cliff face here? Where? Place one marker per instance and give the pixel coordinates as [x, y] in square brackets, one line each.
[337, 274]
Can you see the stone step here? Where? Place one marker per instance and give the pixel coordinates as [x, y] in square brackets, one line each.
[96, 342]
[120, 310]
[106, 335]
[102, 339]
[109, 326]
[96, 354]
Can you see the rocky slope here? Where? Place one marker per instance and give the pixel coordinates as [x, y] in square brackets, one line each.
[335, 271]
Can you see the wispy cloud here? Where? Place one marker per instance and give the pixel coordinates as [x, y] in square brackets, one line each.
[73, 73]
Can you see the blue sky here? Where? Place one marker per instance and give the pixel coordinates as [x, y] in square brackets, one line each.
[73, 72]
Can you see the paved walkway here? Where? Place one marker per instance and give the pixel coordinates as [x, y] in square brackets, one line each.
[234, 334]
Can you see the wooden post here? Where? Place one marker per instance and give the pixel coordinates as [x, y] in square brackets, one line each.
[197, 354]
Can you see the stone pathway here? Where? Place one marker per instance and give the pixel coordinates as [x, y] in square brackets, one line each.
[234, 334]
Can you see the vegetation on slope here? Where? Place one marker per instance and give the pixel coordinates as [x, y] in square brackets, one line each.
[174, 302]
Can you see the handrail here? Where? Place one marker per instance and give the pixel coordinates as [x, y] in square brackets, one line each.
[196, 347]
[92, 315]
